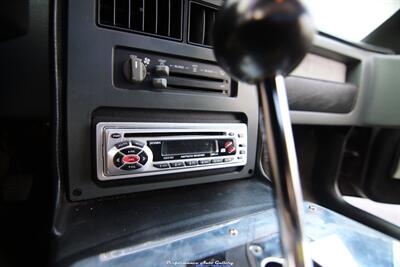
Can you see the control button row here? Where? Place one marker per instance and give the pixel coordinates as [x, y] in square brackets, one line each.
[122, 145]
[161, 165]
[191, 163]
[228, 159]
[204, 161]
[217, 160]
[127, 143]
[137, 143]
[177, 164]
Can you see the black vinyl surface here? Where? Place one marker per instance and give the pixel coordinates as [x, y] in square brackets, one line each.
[24, 60]
[87, 228]
[320, 96]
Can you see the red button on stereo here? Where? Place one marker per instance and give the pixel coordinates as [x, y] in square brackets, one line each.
[228, 144]
[130, 159]
[231, 149]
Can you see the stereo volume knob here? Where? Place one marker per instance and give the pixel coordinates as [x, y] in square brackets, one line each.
[134, 70]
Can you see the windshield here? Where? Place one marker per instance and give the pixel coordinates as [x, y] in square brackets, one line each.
[351, 20]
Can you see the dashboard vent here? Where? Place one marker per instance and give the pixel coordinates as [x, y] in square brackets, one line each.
[162, 18]
[201, 20]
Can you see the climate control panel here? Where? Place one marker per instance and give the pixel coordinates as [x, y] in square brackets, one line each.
[145, 70]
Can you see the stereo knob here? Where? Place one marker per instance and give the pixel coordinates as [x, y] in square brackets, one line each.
[231, 150]
[228, 144]
[134, 70]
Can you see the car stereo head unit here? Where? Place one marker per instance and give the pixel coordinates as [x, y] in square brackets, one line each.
[128, 150]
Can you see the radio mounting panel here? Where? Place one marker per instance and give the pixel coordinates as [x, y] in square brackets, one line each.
[126, 150]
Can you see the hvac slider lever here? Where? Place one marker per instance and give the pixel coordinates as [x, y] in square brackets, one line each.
[260, 41]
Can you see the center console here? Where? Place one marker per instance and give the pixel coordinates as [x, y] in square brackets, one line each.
[147, 107]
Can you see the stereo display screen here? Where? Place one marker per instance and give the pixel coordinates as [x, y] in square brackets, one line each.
[179, 147]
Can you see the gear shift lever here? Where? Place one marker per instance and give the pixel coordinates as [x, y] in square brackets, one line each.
[258, 41]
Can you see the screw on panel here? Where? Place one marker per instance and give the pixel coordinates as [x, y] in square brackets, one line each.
[233, 232]
[312, 208]
[77, 192]
[256, 250]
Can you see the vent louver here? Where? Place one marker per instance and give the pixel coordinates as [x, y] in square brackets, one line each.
[201, 20]
[161, 18]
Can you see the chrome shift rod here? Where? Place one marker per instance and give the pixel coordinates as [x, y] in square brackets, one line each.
[283, 161]
[259, 41]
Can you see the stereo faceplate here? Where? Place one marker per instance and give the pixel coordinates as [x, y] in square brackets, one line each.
[128, 150]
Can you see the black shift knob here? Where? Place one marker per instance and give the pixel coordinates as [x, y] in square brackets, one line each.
[259, 39]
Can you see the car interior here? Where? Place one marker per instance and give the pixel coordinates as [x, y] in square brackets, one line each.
[200, 133]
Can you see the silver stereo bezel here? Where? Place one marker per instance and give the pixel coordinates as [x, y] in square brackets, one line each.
[105, 149]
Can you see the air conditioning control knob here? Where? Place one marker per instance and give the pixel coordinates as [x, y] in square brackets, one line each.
[160, 83]
[134, 70]
[162, 70]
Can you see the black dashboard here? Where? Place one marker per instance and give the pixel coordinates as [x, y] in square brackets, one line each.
[197, 91]
[151, 61]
